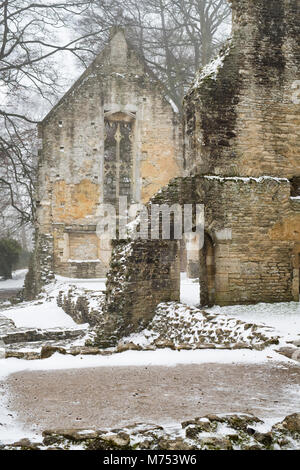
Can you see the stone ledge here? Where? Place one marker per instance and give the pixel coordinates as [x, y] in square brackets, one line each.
[211, 432]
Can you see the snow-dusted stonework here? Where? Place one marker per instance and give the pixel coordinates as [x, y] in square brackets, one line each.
[178, 326]
[241, 114]
[249, 254]
[242, 163]
[211, 432]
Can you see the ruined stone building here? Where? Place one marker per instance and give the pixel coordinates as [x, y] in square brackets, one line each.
[114, 133]
[242, 162]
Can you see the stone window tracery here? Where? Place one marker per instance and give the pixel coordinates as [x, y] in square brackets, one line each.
[118, 157]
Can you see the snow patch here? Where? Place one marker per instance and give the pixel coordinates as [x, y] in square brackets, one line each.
[185, 327]
[44, 313]
[16, 282]
[33, 315]
[189, 290]
[211, 70]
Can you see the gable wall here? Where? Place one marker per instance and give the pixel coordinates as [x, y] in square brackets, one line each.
[71, 169]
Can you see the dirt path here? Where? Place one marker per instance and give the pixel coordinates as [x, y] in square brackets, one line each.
[108, 397]
[6, 294]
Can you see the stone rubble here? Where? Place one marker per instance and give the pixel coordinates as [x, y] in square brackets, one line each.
[179, 326]
[83, 305]
[211, 432]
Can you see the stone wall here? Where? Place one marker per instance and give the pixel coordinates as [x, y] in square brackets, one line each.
[250, 265]
[40, 270]
[253, 255]
[142, 273]
[241, 121]
[242, 113]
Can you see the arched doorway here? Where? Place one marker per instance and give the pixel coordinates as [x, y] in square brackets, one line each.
[189, 275]
[198, 270]
[207, 271]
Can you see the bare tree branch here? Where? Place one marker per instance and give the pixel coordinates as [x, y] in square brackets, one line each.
[30, 38]
[176, 37]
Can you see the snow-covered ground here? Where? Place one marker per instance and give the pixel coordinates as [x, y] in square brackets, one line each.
[10, 429]
[283, 317]
[16, 282]
[89, 284]
[35, 315]
[45, 313]
[161, 357]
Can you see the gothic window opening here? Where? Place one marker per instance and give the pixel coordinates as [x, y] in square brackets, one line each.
[118, 158]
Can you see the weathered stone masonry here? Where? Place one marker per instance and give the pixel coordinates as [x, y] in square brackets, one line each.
[113, 134]
[255, 255]
[242, 162]
[242, 115]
